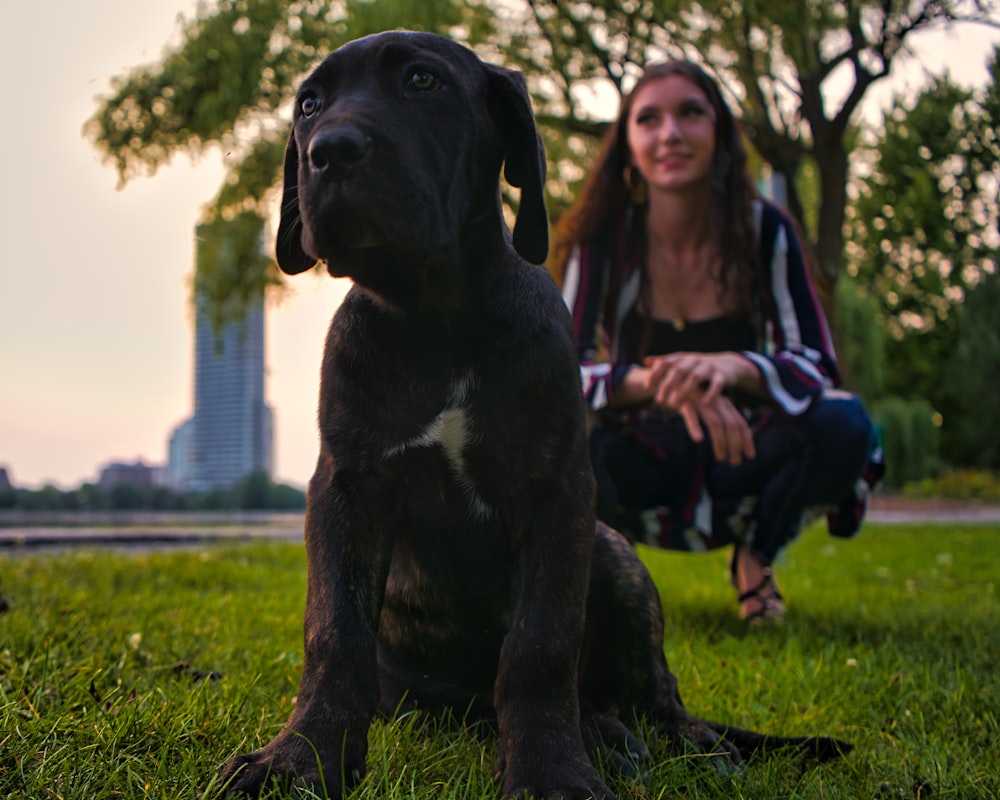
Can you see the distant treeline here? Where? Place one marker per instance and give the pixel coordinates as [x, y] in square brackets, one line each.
[253, 493]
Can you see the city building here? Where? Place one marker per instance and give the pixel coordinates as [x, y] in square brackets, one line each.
[231, 433]
[180, 452]
[138, 474]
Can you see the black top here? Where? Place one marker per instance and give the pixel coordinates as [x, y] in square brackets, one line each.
[642, 336]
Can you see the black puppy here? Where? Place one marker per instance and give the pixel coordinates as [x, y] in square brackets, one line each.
[450, 528]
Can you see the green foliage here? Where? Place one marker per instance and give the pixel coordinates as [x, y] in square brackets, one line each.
[92, 497]
[229, 81]
[48, 498]
[228, 85]
[861, 342]
[255, 492]
[960, 484]
[782, 63]
[971, 378]
[923, 245]
[8, 497]
[124, 675]
[364, 17]
[232, 270]
[920, 228]
[234, 65]
[910, 439]
[126, 496]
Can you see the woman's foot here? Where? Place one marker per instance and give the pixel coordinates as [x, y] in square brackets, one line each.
[759, 598]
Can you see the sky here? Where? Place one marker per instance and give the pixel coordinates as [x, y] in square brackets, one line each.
[96, 333]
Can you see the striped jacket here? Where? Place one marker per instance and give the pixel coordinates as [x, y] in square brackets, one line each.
[795, 352]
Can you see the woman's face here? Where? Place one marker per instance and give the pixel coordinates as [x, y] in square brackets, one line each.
[671, 134]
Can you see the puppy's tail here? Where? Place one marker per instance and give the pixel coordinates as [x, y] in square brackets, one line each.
[818, 748]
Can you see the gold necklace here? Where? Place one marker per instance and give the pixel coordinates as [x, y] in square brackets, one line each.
[696, 279]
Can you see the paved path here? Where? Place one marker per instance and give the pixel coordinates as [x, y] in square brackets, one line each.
[906, 509]
[145, 529]
[157, 530]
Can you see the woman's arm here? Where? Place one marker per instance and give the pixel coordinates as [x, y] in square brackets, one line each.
[799, 362]
[584, 290]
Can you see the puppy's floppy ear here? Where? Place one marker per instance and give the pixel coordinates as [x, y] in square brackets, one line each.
[524, 165]
[291, 257]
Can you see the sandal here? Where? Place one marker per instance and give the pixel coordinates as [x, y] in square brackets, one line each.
[733, 580]
[771, 612]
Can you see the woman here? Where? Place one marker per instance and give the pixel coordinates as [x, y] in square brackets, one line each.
[703, 350]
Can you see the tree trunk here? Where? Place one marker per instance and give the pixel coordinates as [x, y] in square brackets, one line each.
[831, 162]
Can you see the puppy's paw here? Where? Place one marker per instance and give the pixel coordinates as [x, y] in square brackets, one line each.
[291, 761]
[694, 735]
[590, 790]
[606, 737]
[250, 774]
[562, 780]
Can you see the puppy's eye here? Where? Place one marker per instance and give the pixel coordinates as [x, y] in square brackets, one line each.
[423, 80]
[309, 105]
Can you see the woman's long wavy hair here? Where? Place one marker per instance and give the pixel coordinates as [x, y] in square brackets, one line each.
[605, 194]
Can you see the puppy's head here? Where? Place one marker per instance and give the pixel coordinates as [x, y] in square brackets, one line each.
[394, 157]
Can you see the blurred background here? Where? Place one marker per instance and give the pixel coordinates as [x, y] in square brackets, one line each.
[142, 150]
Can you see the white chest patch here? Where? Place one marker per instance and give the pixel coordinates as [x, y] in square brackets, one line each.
[451, 430]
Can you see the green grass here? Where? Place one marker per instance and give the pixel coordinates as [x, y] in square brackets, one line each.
[137, 675]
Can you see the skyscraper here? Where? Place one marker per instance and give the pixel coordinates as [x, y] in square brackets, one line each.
[231, 433]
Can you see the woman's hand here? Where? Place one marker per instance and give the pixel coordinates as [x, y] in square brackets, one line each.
[681, 378]
[692, 384]
[728, 431]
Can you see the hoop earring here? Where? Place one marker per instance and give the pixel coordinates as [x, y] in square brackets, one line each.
[638, 191]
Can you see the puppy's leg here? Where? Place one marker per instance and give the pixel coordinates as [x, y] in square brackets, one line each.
[623, 667]
[541, 751]
[623, 664]
[324, 743]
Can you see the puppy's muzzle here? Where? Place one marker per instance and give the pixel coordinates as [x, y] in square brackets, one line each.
[336, 152]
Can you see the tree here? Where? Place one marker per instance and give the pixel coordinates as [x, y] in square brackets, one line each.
[924, 231]
[923, 227]
[861, 352]
[233, 74]
[972, 377]
[253, 493]
[780, 61]
[226, 86]
[92, 497]
[126, 497]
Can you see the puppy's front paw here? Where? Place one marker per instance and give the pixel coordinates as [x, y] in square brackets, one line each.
[606, 737]
[569, 788]
[693, 734]
[292, 760]
[556, 779]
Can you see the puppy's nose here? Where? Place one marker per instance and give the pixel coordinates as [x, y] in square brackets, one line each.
[334, 152]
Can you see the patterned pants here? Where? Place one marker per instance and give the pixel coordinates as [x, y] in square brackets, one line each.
[657, 486]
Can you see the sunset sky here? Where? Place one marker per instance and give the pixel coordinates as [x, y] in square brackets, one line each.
[96, 345]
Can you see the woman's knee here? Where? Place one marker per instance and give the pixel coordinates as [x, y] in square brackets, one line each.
[842, 430]
[848, 419]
